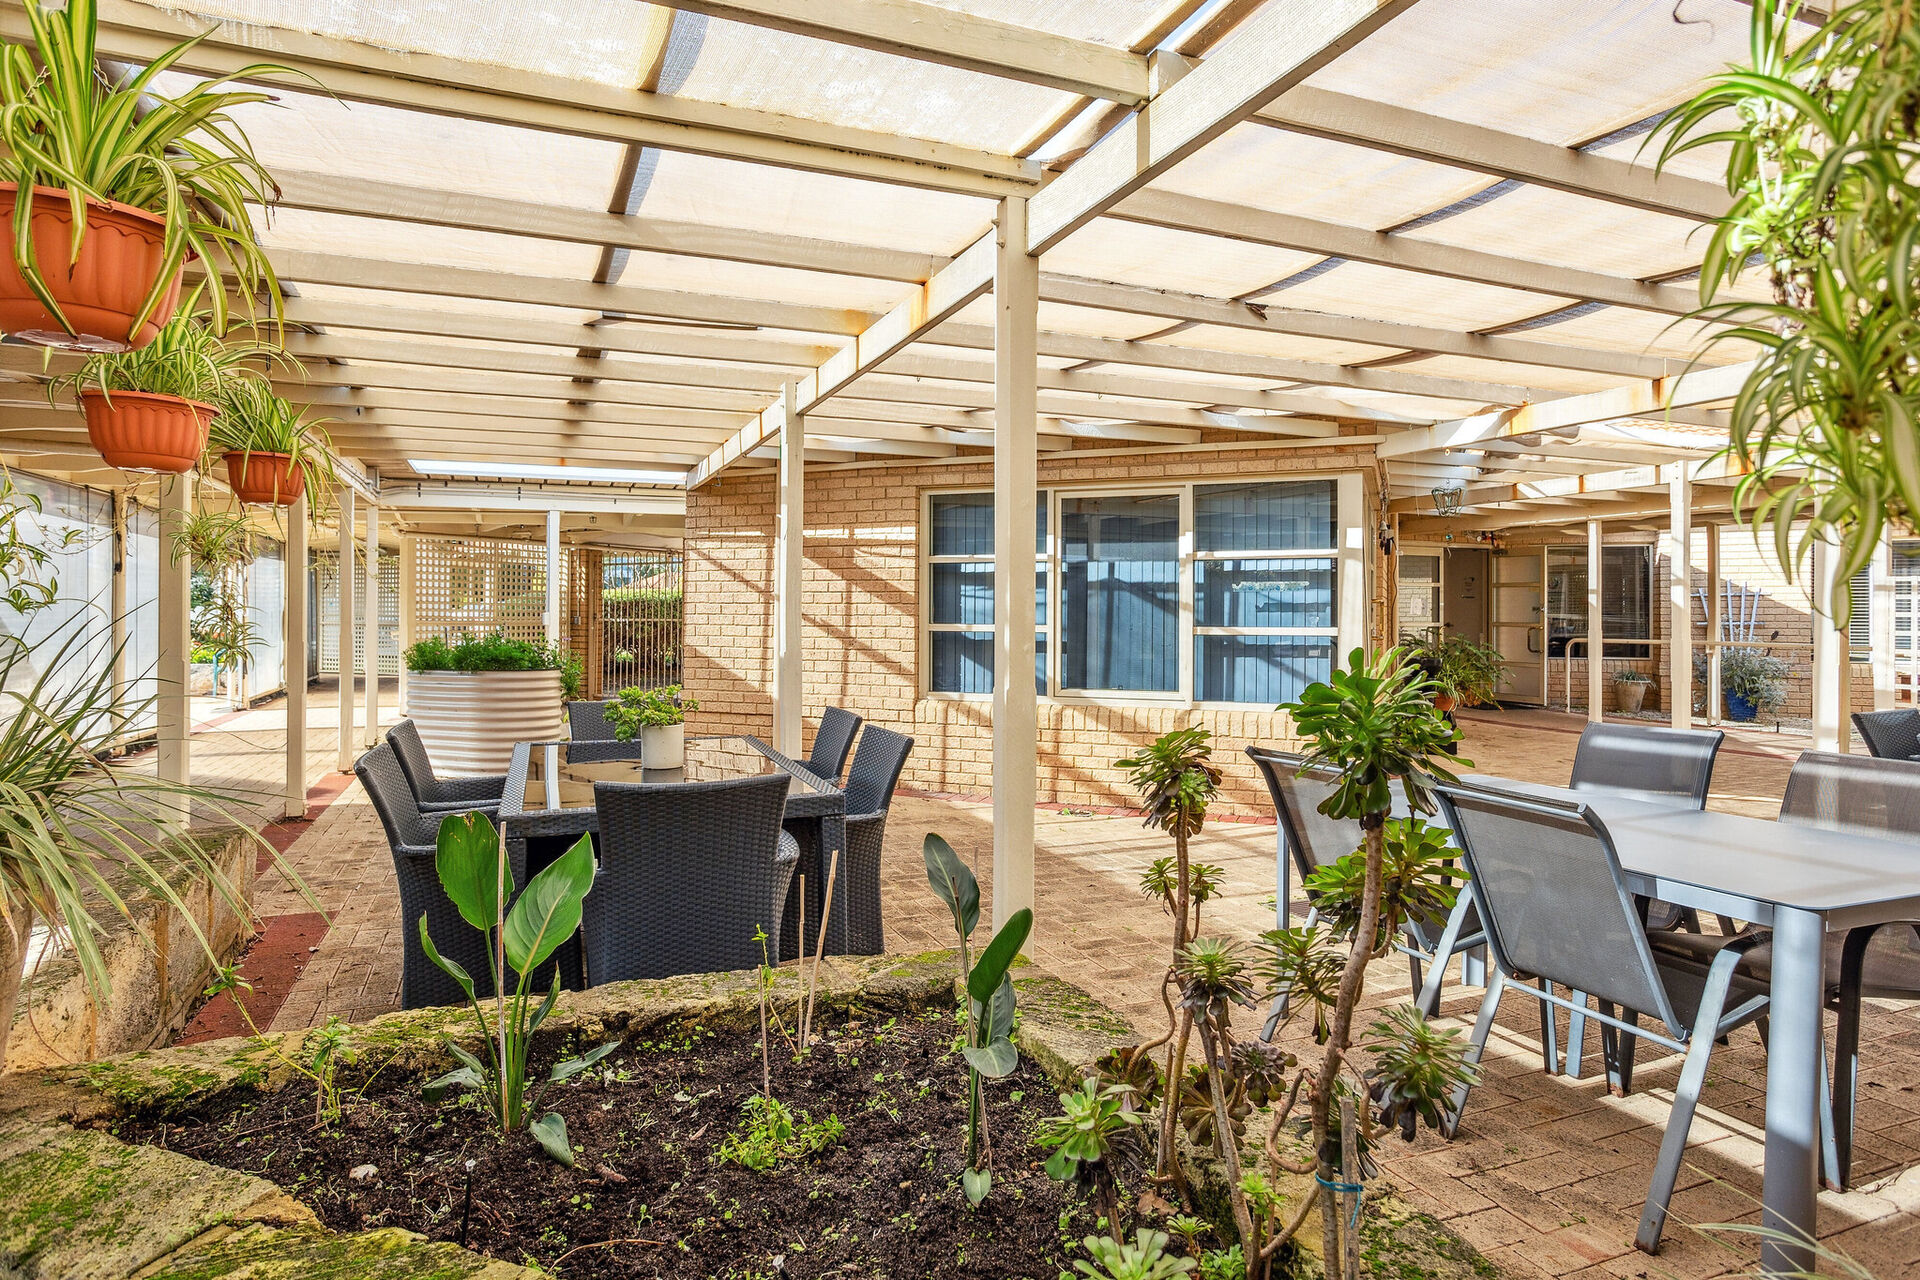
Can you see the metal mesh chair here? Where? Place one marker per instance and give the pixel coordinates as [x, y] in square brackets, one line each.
[412, 835]
[1557, 911]
[687, 872]
[832, 742]
[1890, 735]
[434, 793]
[1651, 763]
[1311, 840]
[587, 722]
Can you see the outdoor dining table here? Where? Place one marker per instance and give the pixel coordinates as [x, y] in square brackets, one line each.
[548, 802]
[1799, 881]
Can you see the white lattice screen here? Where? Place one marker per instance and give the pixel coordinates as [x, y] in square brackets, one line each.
[326, 572]
[480, 586]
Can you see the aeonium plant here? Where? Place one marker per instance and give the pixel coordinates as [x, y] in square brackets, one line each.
[472, 865]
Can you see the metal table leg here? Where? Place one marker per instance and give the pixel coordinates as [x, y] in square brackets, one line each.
[1793, 1094]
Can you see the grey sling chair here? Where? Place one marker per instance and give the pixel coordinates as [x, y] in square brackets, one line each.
[1653, 763]
[1310, 840]
[1557, 910]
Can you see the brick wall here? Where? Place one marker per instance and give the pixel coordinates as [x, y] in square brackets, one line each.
[861, 607]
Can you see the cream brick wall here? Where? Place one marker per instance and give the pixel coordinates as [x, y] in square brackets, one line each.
[861, 607]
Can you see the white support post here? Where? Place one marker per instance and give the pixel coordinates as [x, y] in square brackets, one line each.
[1716, 624]
[551, 615]
[1831, 664]
[296, 659]
[174, 708]
[1880, 609]
[1596, 626]
[1016, 298]
[119, 638]
[1679, 597]
[345, 580]
[789, 560]
[370, 627]
[407, 551]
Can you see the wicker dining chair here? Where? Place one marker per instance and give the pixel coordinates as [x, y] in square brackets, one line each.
[876, 771]
[1890, 735]
[1556, 908]
[1313, 840]
[587, 721]
[413, 837]
[433, 793]
[688, 871]
[832, 742]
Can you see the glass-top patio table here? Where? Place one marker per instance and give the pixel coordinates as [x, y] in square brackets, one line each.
[548, 803]
[1800, 881]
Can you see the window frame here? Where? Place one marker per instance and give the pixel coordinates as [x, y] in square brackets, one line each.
[1352, 568]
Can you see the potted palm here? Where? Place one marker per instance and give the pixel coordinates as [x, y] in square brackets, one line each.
[658, 717]
[110, 186]
[150, 409]
[273, 453]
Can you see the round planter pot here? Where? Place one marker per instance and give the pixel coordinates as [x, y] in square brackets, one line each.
[469, 720]
[1739, 710]
[100, 293]
[268, 479]
[663, 746]
[140, 431]
[1629, 695]
[1443, 702]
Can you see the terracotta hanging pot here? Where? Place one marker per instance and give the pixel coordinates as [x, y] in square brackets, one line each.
[100, 293]
[1443, 702]
[265, 478]
[141, 431]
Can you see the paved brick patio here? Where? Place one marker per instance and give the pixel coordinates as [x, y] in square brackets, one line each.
[1548, 1174]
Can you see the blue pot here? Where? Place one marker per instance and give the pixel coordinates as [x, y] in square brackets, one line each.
[1739, 709]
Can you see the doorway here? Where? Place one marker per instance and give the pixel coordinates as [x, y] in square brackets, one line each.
[1464, 592]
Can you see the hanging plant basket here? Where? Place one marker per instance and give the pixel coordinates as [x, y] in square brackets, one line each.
[101, 293]
[265, 478]
[141, 431]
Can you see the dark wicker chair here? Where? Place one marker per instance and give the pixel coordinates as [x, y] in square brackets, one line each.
[1312, 840]
[1557, 911]
[433, 793]
[412, 836]
[833, 742]
[1890, 735]
[876, 771]
[587, 722]
[687, 872]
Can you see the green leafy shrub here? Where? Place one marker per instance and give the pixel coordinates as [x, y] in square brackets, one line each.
[1084, 1137]
[772, 1133]
[634, 709]
[487, 653]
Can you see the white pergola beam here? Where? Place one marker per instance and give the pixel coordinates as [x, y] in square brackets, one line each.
[934, 33]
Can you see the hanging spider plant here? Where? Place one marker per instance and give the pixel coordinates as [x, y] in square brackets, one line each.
[257, 426]
[64, 125]
[1824, 169]
[188, 359]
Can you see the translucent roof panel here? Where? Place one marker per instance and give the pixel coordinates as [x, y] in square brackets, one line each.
[384, 241]
[1541, 225]
[1110, 22]
[1635, 332]
[1057, 317]
[1499, 371]
[609, 41]
[749, 280]
[733, 193]
[1386, 293]
[399, 300]
[1158, 258]
[322, 135]
[1269, 168]
[768, 70]
[1564, 71]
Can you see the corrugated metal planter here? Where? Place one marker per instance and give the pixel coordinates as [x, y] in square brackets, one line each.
[469, 720]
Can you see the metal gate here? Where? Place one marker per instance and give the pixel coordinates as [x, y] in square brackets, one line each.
[625, 616]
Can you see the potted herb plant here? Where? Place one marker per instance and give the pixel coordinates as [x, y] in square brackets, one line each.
[1464, 672]
[1630, 690]
[474, 698]
[1752, 682]
[273, 453]
[150, 409]
[659, 718]
[111, 185]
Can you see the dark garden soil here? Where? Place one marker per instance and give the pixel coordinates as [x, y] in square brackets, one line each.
[650, 1195]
